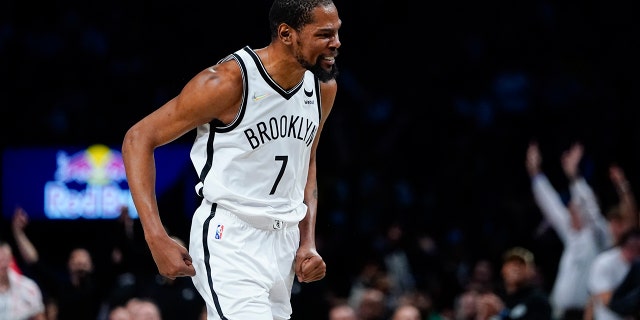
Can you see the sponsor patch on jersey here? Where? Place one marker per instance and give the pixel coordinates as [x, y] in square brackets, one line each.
[219, 230]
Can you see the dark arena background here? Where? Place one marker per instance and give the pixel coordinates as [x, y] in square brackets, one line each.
[435, 109]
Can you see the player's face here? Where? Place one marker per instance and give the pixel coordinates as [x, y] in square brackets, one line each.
[317, 44]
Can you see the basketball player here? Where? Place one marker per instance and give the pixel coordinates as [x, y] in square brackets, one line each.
[258, 115]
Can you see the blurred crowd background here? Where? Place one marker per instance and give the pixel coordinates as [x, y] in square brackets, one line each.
[434, 114]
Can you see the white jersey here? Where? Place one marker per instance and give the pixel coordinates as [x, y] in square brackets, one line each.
[23, 300]
[256, 166]
[606, 274]
[581, 246]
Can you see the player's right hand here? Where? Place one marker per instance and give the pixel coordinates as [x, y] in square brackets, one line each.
[171, 258]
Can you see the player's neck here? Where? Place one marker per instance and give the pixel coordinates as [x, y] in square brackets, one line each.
[281, 65]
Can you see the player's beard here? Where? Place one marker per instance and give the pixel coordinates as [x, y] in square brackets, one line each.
[322, 74]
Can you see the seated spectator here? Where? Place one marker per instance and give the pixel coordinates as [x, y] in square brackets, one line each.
[372, 275]
[119, 313]
[74, 292]
[518, 297]
[138, 309]
[465, 306]
[372, 305]
[626, 297]
[177, 298]
[608, 273]
[20, 297]
[406, 312]
[342, 311]
[144, 309]
[422, 300]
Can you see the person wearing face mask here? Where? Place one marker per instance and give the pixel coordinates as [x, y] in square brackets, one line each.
[73, 291]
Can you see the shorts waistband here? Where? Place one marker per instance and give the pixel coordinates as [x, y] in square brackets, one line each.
[264, 223]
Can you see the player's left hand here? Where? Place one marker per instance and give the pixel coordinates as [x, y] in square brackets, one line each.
[309, 265]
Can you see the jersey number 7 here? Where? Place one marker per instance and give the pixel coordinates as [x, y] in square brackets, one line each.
[284, 160]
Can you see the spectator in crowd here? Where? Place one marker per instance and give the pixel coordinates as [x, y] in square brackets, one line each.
[133, 271]
[372, 305]
[480, 281]
[625, 300]
[145, 309]
[392, 247]
[609, 268]
[519, 296]
[465, 306]
[423, 301]
[608, 273]
[139, 309]
[342, 311]
[131, 264]
[431, 271]
[119, 313]
[76, 293]
[623, 216]
[406, 312]
[372, 274]
[20, 296]
[482, 276]
[177, 298]
[580, 226]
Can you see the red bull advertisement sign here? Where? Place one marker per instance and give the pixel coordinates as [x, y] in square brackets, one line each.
[80, 183]
[97, 173]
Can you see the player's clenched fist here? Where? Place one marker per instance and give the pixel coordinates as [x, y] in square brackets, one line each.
[311, 267]
[171, 257]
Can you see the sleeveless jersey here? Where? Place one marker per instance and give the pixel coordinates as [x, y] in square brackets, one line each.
[257, 165]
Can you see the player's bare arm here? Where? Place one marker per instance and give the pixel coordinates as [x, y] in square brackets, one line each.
[214, 93]
[309, 265]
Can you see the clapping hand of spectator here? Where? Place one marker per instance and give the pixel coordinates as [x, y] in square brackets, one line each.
[570, 160]
[19, 223]
[617, 176]
[20, 220]
[534, 159]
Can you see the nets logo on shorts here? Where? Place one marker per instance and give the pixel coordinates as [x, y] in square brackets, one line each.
[219, 230]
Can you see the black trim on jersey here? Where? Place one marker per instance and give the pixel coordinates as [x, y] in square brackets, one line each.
[285, 94]
[217, 126]
[207, 164]
[318, 98]
[207, 256]
[220, 127]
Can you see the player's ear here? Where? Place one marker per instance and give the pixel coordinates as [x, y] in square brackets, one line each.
[284, 32]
